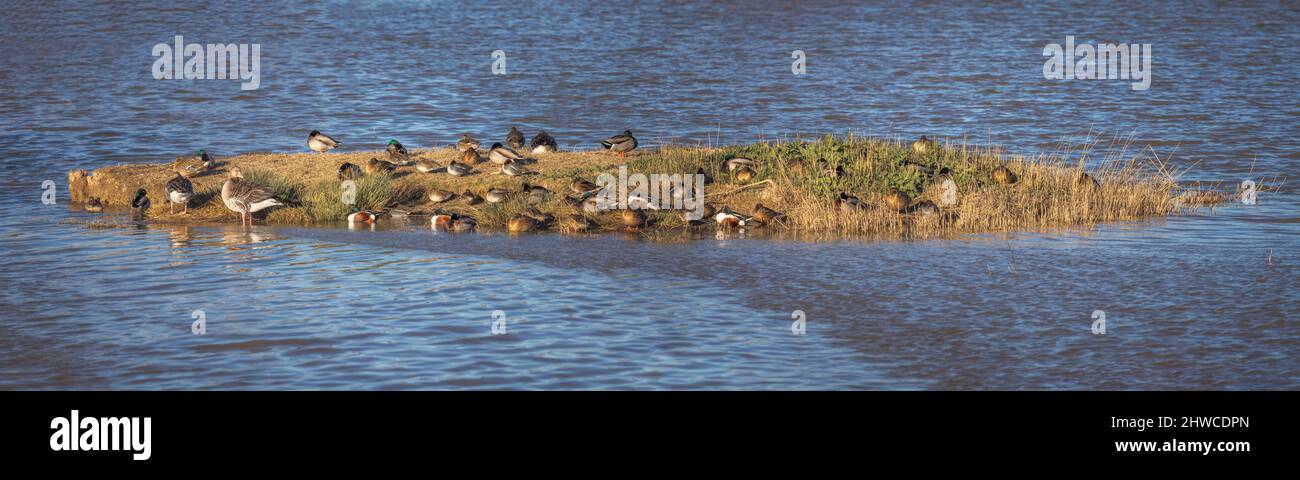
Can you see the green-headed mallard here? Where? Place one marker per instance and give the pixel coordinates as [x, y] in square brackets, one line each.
[470, 198]
[730, 165]
[633, 218]
[190, 166]
[439, 196]
[1004, 176]
[179, 190]
[922, 145]
[363, 216]
[544, 143]
[743, 174]
[321, 142]
[467, 143]
[457, 169]
[94, 205]
[514, 169]
[501, 154]
[497, 194]
[897, 200]
[515, 138]
[348, 171]
[427, 166]
[621, 143]
[140, 204]
[246, 198]
[376, 165]
[766, 216]
[396, 152]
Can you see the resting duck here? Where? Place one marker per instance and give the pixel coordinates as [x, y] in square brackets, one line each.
[522, 224]
[140, 204]
[456, 169]
[497, 195]
[321, 142]
[192, 165]
[396, 152]
[897, 200]
[766, 216]
[470, 198]
[361, 217]
[633, 218]
[847, 203]
[730, 165]
[621, 143]
[179, 190]
[743, 174]
[348, 171]
[922, 145]
[471, 157]
[514, 169]
[708, 211]
[544, 143]
[1004, 176]
[460, 223]
[376, 165]
[536, 193]
[467, 143]
[729, 219]
[439, 196]
[501, 154]
[581, 185]
[924, 208]
[427, 166]
[515, 138]
[94, 205]
[246, 198]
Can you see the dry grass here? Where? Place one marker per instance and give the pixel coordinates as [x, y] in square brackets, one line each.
[796, 178]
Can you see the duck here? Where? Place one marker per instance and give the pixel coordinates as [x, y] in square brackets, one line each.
[348, 171]
[514, 169]
[766, 216]
[1086, 181]
[376, 165]
[515, 138]
[633, 218]
[426, 165]
[363, 216]
[396, 152]
[439, 196]
[582, 185]
[593, 205]
[536, 193]
[576, 223]
[321, 142]
[707, 211]
[470, 198]
[729, 219]
[743, 174]
[471, 157]
[461, 223]
[521, 224]
[847, 203]
[924, 208]
[621, 143]
[1003, 175]
[501, 154]
[191, 166]
[179, 190]
[730, 165]
[441, 220]
[497, 195]
[246, 198]
[467, 143]
[94, 205]
[897, 200]
[457, 169]
[543, 218]
[922, 145]
[140, 204]
[544, 143]
[708, 179]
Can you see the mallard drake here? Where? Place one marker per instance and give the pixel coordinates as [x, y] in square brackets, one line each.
[729, 219]
[361, 217]
[94, 205]
[321, 142]
[536, 193]
[245, 198]
[467, 143]
[348, 171]
[730, 165]
[376, 165]
[514, 169]
[396, 152]
[470, 198]
[924, 208]
[593, 205]
[470, 156]
[461, 223]
[457, 169]
[1004, 176]
[847, 203]
[140, 204]
[497, 195]
[708, 179]
[633, 218]
[897, 200]
[427, 166]
[179, 190]
[743, 174]
[621, 143]
[544, 143]
[581, 185]
[439, 196]
[521, 224]
[515, 138]
[190, 166]
[922, 145]
[766, 216]
[501, 154]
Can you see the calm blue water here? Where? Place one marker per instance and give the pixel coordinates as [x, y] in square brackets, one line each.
[1192, 302]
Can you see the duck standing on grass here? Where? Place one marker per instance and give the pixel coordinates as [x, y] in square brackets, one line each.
[515, 138]
[396, 152]
[544, 143]
[140, 204]
[348, 171]
[621, 143]
[179, 190]
[467, 143]
[246, 198]
[501, 154]
[321, 142]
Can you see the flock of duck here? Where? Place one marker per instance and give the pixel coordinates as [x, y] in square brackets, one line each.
[246, 198]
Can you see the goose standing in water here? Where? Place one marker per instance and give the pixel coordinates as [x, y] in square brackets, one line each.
[246, 198]
[321, 142]
[621, 143]
[544, 143]
[179, 190]
[515, 138]
[467, 143]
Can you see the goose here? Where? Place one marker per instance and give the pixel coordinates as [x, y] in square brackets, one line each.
[621, 143]
[544, 143]
[246, 198]
[467, 143]
[396, 152]
[501, 154]
[515, 138]
[179, 190]
[348, 171]
[321, 142]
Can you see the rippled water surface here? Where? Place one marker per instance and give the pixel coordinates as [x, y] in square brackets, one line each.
[1206, 300]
